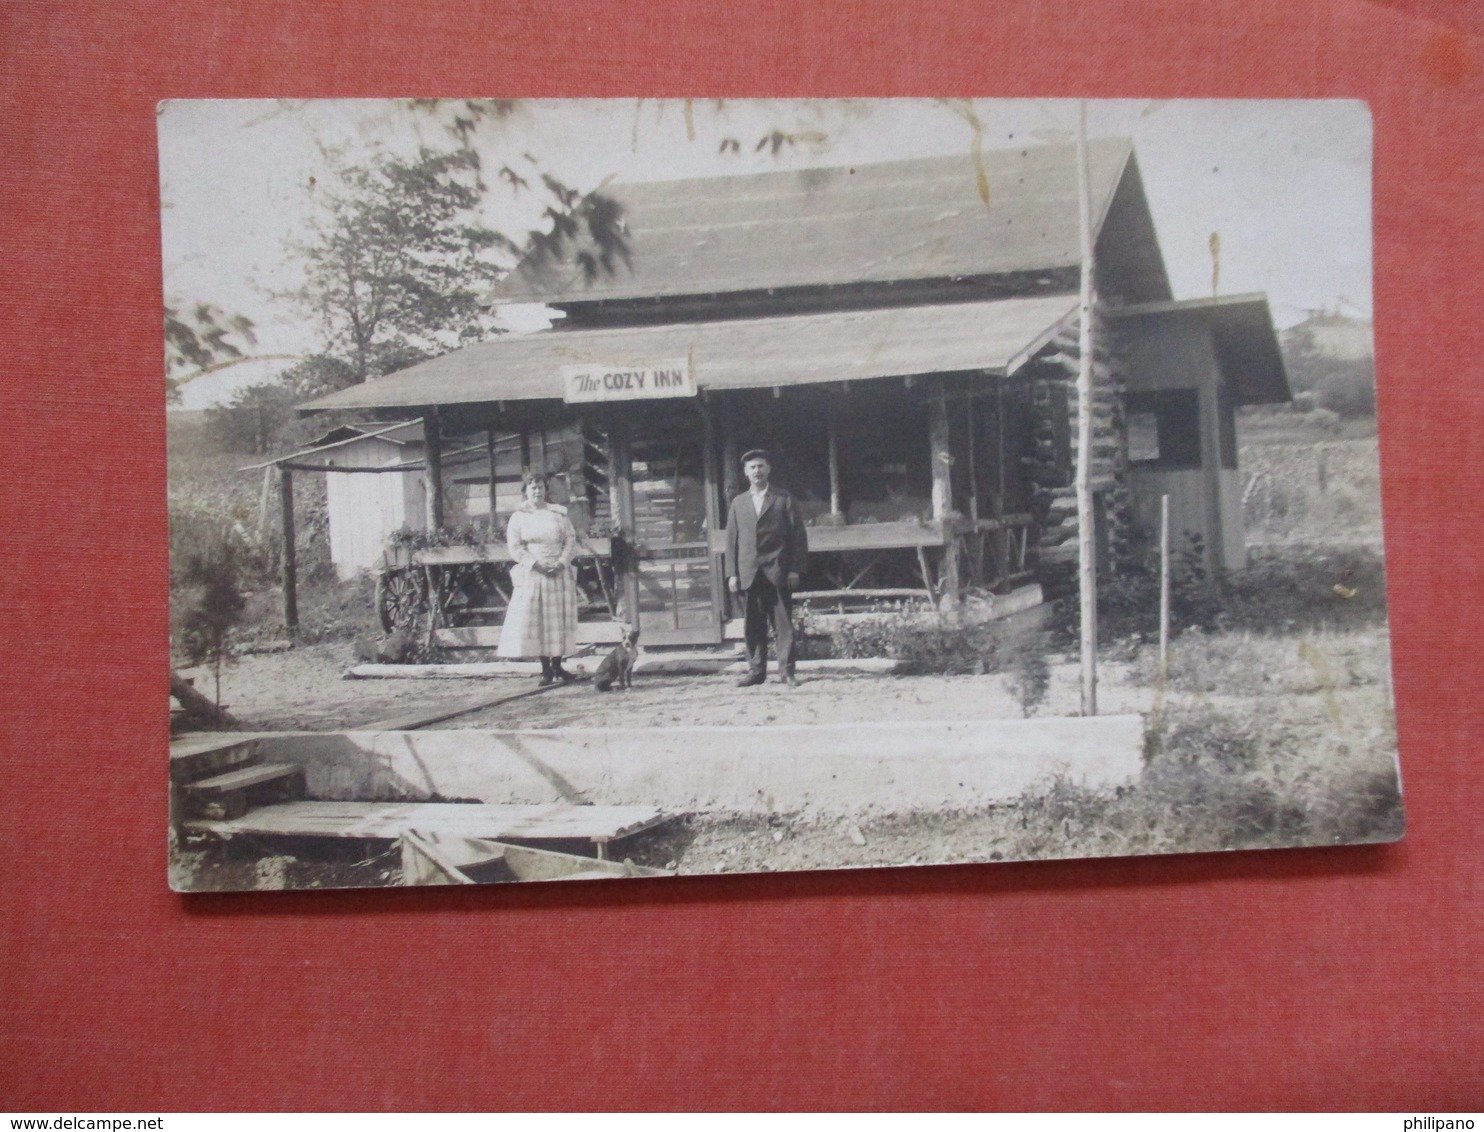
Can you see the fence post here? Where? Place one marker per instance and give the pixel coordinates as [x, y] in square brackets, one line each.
[289, 567]
[1164, 586]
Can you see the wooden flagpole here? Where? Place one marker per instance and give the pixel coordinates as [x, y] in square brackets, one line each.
[1087, 587]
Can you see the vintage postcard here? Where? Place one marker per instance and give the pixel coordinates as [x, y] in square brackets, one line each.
[601, 489]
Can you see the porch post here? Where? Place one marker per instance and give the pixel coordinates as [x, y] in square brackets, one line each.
[730, 472]
[969, 404]
[708, 465]
[942, 459]
[832, 427]
[489, 451]
[622, 481]
[997, 497]
[433, 455]
[712, 489]
[290, 564]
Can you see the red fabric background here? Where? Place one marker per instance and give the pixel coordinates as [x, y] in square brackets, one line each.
[1335, 978]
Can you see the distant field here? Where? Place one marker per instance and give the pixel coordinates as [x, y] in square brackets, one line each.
[1310, 480]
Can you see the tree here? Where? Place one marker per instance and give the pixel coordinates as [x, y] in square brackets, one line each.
[398, 265]
[209, 560]
[251, 422]
[260, 418]
[1341, 380]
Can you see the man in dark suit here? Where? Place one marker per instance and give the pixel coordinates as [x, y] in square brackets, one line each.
[766, 547]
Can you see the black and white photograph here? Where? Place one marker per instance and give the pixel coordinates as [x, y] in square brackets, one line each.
[597, 489]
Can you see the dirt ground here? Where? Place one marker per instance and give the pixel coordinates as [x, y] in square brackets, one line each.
[306, 689]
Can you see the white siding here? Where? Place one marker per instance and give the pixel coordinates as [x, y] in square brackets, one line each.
[365, 508]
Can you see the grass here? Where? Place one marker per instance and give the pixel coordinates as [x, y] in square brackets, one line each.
[1259, 740]
[1211, 787]
[329, 610]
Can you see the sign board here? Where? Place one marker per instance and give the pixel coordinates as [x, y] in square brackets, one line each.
[594, 382]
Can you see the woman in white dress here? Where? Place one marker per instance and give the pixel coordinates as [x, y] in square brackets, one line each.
[542, 618]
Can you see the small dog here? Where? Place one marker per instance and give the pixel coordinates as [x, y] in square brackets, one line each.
[618, 666]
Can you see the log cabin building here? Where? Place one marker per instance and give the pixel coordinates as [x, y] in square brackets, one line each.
[902, 336]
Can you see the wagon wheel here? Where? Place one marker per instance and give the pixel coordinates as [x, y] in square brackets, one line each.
[494, 587]
[400, 598]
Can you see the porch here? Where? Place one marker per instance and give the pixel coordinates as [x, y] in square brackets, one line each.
[907, 438]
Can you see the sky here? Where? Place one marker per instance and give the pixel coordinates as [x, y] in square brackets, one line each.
[1287, 184]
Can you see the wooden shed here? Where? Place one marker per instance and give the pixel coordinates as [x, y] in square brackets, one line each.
[902, 335]
[364, 510]
[1190, 366]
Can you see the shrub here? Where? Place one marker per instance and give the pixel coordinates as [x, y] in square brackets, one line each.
[211, 560]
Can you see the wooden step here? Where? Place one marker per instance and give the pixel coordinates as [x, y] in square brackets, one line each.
[198, 756]
[225, 797]
[242, 778]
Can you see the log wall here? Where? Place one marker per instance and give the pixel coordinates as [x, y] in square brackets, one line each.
[1053, 374]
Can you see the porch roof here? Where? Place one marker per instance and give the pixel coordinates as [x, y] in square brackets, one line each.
[736, 354]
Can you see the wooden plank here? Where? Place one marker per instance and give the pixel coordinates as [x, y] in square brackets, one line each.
[347, 469]
[203, 759]
[430, 859]
[526, 863]
[876, 536]
[427, 860]
[903, 535]
[496, 551]
[242, 778]
[834, 595]
[389, 820]
[488, 636]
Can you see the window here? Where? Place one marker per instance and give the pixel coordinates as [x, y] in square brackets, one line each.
[1164, 429]
[1143, 438]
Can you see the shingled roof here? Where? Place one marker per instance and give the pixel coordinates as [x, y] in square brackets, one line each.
[1010, 212]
